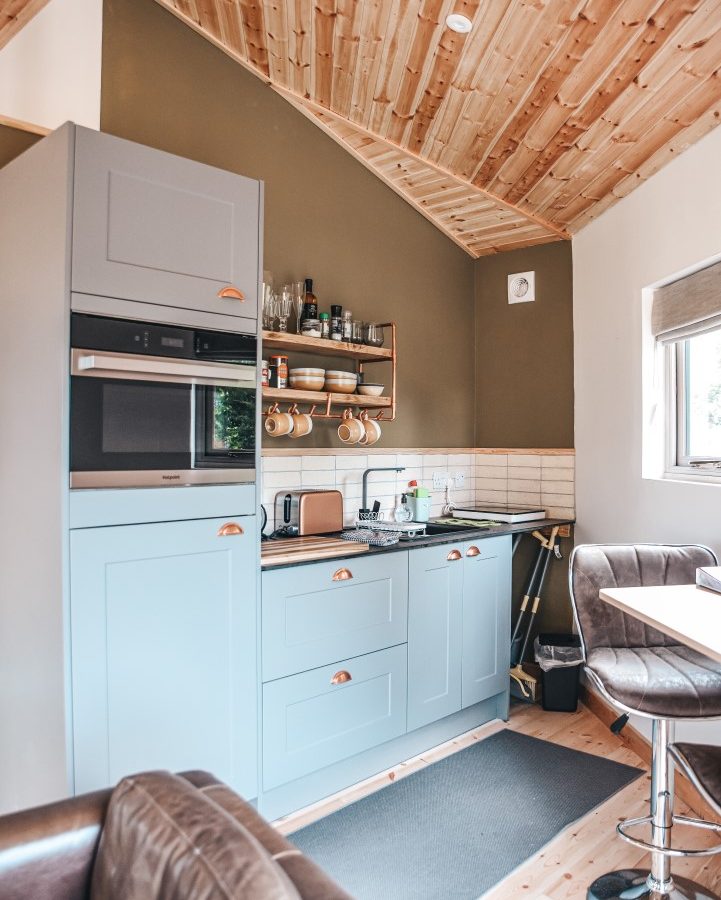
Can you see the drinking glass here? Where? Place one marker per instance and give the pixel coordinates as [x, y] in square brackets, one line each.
[357, 333]
[373, 335]
[298, 292]
[283, 306]
[269, 307]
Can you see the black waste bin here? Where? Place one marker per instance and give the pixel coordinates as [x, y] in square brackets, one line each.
[560, 657]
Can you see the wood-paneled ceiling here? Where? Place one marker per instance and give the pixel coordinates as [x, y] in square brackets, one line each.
[518, 133]
[14, 14]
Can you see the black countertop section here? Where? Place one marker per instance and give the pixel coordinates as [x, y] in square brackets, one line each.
[459, 535]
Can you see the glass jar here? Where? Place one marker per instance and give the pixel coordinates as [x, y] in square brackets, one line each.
[347, 325]
[357, 332]
[325, 325]
[310, 328]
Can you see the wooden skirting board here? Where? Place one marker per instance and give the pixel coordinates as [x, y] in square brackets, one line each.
[635, 741]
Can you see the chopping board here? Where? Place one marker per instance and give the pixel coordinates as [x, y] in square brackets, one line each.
[301, 549]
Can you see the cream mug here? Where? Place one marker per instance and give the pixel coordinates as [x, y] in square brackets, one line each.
[350, 430]
[302, 425]
[372, 432]
[279, 423]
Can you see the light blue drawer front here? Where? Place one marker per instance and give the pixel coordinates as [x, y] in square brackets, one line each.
[310, 620]
[310, 723]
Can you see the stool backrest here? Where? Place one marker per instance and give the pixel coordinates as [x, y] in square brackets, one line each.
[597, 566]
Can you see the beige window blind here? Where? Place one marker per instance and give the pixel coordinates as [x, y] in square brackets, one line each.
[688, 306]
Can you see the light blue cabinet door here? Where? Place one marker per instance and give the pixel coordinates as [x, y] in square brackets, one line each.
[156, 228]
[434, 633]
[317, 718]
[312, 617]
[164, 651]
[486, 618]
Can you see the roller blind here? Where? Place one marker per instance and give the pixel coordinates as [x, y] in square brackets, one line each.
[688, 306]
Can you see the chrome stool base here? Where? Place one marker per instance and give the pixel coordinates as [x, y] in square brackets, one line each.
[631, 884]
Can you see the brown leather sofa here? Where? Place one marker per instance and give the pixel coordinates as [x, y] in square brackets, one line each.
[117, 844]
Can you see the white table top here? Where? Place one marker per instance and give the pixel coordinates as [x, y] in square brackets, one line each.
[690, 614]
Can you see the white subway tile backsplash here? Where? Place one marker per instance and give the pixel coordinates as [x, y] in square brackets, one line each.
[522, 459]
[500, 478]
[281, 463]
[281, 480]
[491, 459]
[558, 462]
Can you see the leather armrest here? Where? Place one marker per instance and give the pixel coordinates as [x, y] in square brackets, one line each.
[47, 852]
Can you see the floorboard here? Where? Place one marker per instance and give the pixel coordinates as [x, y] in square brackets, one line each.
[589, 847]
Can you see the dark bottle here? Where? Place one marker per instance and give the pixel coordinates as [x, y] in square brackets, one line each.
[310, 304]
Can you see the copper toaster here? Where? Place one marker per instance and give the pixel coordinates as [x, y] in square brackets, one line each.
[309, 512]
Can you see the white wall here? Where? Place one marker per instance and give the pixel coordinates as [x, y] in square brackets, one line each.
[669, 224]
[50, 70]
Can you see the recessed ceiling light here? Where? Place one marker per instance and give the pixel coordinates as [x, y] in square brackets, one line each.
[459, 23]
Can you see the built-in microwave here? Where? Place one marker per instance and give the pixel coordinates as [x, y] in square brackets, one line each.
[160, 405]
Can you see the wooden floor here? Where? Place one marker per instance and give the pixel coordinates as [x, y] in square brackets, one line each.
[589, 847]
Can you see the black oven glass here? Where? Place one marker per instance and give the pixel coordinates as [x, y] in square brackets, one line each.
[127, 424]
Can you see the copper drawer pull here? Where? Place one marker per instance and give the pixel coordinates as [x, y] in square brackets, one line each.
[454, 554]
[473, 551]
[229, 529]
[231, 293]
[341, 677]
[342, 575]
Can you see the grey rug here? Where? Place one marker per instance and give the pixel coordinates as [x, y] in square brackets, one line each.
[453, 830]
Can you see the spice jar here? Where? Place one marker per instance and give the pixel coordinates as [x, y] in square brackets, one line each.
[347, 325]
[278, 371]
[265, 374]
[336, 323]
[324, 325]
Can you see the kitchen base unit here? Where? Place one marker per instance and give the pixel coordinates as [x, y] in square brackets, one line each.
[163, 635]
[369, 661]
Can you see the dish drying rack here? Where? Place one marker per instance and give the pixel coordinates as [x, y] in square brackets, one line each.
[404, 530]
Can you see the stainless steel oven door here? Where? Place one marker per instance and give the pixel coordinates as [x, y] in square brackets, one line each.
[144, 421]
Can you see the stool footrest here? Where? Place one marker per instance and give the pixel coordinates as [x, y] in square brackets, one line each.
[670, 851]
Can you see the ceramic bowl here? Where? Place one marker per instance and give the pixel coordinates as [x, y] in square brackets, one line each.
[340, 382]
[306, 379]
[370, 390]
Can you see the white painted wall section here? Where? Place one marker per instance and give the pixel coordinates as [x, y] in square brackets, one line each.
[668, 225]
[50, 70]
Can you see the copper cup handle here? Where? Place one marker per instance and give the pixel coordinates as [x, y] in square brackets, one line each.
[230, 529]
[342, 575]
[473, 551]
[341, 677]
[453, 555]
[231, 293]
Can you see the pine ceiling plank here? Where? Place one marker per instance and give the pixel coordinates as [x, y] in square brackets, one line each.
[345, 54]
[209, 17]
[254, 32]
[373, 29]
[427, 33]
[656, 33]
[298, 18]
[15, 14]
[188, 9]
[324, 14]
[396, 44]
[276, 24]
[487, 249]
[577, 40]
[516, 40]
[692, 89]
[479, 44]
[446, 61]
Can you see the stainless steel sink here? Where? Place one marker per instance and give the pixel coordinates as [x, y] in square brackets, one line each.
[442, 528]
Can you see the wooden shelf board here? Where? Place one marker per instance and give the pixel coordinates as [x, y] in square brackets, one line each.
[277, 340]
[287, 395]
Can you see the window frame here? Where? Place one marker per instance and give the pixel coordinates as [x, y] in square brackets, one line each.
[678, 463]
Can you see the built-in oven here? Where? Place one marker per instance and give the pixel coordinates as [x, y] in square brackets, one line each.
[154, 405]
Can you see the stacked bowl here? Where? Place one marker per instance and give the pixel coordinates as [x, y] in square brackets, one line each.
[340, 382]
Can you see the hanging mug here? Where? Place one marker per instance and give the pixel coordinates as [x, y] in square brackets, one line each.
[278, 424]
[350, 430]
[372, 432]
[302, 425]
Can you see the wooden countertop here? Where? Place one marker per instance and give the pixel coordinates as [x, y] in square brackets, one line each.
[689, 614]
[285, 551]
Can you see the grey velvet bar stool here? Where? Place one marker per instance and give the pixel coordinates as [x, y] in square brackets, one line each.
[642, 671]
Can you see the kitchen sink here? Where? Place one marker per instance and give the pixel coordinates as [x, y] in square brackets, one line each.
[442, 528]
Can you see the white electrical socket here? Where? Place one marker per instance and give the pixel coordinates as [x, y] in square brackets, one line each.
[439, 480]
[458, 479]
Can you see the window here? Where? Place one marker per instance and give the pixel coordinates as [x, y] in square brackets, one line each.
[686, 324]
[694, 385]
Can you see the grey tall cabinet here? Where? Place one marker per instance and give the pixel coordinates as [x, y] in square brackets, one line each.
[91, 223]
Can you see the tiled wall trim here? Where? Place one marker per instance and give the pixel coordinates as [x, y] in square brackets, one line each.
[538, 477]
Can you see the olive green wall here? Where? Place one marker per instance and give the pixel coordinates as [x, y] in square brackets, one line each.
[326, 216]
[524, 351]
[13, 141]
